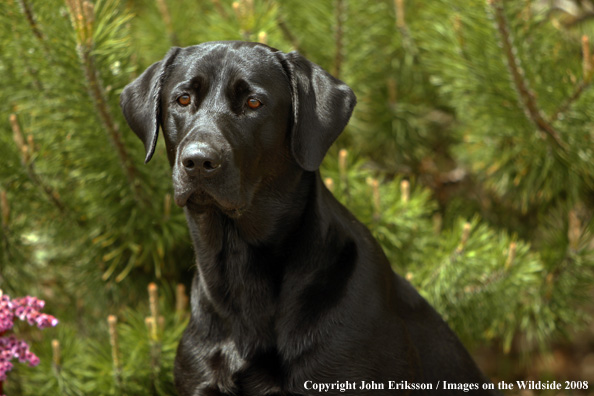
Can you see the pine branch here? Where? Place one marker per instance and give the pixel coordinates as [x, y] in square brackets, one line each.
[26, 149]
[400, 13]
[289, 36]
[31, 19]
[574, 97]
[181, 300]
[82, 13]
[527, 97]
[496, 275]
[5, 217]
[56, 356]
[578, 20]
[112, 321]
[14, 19]
[343, 172]
[220, 9]
[97, 94]
[4, 209]
[340, 14]
[401, 25]
[166, 16]
[155, 323]
[587, 71]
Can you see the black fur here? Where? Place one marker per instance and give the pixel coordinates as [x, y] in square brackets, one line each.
[290, 287]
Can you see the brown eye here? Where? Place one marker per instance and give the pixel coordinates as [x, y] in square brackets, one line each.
[253, 103]
[184, 100]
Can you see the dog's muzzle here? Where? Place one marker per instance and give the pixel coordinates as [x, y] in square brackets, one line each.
[197, 163]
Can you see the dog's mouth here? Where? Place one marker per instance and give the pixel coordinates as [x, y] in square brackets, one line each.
[200, 194]
[182, 196]
[190, 191]
[199, 201]
[197, 198]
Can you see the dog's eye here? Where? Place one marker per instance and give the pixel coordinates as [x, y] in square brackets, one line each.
[184, 100]
[253, 103]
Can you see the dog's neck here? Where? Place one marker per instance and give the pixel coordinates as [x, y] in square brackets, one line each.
[242, 262]
[268, 219]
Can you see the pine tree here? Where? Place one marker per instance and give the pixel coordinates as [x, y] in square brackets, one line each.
[469, 156]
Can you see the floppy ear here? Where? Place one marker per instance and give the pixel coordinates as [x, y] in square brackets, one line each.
[140, 102]
[322, 106]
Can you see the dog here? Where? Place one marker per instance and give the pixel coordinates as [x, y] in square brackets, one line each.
[292, 295]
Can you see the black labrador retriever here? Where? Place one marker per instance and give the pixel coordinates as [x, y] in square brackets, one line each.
[292, 296]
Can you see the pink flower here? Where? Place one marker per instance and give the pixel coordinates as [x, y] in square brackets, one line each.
[26, 309]
[6, 313]
[13, 348]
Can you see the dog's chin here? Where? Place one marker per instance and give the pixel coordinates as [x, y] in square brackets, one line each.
[200, 201]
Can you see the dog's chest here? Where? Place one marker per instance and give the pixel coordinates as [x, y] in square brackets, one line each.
[240, 294]
[230, 374]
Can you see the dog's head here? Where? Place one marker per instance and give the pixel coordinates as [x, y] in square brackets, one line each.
[234, 114]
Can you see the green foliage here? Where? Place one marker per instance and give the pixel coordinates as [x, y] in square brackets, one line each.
[500, 114]
[402, 221]
[484, 277]
[144, 363]
[470, 158]
[485, 283]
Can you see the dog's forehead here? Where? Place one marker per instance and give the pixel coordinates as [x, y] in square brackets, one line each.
[228, 58]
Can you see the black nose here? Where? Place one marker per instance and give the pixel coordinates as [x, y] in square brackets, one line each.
[199, 159]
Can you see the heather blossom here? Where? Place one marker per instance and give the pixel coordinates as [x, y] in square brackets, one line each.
[26, 309]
